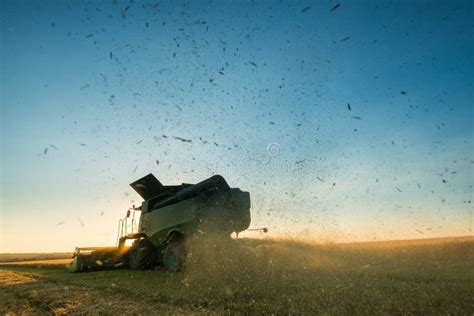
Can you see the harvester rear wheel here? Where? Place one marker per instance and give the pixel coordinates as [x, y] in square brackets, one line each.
[142, 255]
[174, 255]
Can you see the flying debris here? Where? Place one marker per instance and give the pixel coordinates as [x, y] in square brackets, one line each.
[182, 139]
[80, 221]
[349, 107]
[335, 7]
[125, 11]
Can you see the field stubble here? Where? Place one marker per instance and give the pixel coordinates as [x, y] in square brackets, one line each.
[262, 276]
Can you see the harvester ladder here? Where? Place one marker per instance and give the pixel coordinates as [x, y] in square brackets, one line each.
[125, 228]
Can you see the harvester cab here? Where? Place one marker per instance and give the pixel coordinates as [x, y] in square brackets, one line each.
[168, 216]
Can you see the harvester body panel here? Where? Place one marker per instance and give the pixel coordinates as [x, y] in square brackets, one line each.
[168, 217]
[217, 213]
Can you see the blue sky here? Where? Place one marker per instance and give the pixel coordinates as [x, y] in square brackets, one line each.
[262, 91]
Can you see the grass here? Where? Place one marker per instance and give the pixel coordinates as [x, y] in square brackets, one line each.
[262, 277]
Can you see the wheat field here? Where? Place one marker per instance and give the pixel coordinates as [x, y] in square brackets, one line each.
[248, 276]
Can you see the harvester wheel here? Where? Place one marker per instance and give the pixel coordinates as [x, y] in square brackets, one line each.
[174, 255]
[142, 255]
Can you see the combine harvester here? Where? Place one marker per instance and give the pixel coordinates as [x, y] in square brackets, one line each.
[169, 215]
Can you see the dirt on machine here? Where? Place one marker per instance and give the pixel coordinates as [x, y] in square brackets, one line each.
[169, 215]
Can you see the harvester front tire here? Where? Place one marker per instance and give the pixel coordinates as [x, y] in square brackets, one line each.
[174, 255]
[142, 255]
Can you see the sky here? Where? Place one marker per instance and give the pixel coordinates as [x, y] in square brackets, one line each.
[346, 121]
